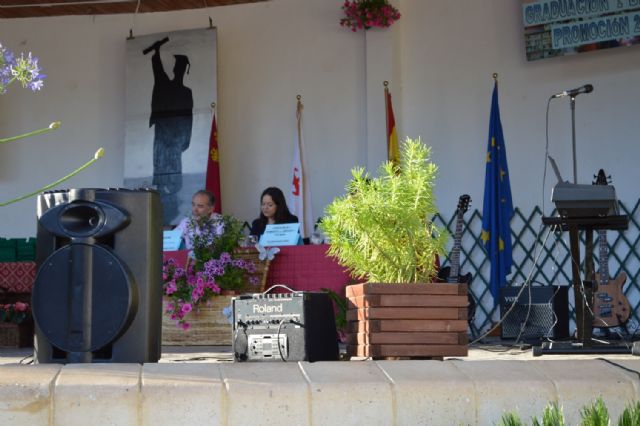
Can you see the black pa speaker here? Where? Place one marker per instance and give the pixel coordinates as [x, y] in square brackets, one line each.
[97, 295]
[284, 327]
[548, 313]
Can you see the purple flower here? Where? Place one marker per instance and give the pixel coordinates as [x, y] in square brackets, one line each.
[170, 288]
[197, 293]
[186, 308]
[27, 72]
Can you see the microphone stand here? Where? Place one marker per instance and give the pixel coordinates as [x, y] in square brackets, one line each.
[573, 138]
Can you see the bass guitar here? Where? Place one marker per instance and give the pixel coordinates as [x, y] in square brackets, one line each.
[451, 274]
[610, 306]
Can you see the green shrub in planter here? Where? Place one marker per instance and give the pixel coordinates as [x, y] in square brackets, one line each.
[382, 229]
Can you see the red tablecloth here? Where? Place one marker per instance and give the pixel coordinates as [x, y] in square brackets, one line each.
[305, 268]
[179, 256]
[17, 277]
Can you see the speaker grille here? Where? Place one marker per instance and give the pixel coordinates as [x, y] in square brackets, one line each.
[547, 315]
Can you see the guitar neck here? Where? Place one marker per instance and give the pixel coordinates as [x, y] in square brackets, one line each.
[603, 250]
[455, 251]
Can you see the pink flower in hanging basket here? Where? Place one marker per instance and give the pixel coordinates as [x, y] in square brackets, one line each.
[368, 14]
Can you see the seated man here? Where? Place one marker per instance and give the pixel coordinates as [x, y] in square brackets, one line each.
[198, 224]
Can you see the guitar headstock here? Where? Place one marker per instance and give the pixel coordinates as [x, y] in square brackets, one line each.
[463, 203]
[601, 178]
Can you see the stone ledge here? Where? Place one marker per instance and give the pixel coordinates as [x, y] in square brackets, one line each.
[357, 392]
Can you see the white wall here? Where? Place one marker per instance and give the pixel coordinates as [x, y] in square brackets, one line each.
[450, 51]
[443, 54]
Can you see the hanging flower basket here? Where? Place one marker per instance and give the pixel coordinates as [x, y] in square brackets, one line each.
[366, 14]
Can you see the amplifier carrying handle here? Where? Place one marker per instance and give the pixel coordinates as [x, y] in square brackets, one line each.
[282, 286]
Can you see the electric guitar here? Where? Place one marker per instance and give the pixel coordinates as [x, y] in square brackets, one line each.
[610, 306]
[451, 274]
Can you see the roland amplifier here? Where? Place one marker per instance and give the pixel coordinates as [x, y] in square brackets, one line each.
[546, 314]
[284, 327]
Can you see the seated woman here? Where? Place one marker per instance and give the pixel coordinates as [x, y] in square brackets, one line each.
[273, 209]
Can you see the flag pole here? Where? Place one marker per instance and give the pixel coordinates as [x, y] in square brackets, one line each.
[386, 113]
[303, 172]
[495, 77]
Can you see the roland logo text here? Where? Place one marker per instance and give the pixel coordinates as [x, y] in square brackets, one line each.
[266, 309]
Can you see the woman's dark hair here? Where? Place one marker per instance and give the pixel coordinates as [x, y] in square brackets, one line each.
[283, 215]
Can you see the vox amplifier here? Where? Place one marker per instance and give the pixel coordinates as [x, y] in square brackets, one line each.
[545, 314]
[284, 327]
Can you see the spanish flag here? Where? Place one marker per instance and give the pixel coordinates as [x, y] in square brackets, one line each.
[213, 166]
[393, 151]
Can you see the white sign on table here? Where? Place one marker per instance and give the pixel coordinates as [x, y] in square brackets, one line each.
[171, 240]
[284, 234]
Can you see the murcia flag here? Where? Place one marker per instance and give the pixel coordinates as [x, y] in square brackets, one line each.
[300, 195]
[213, 166]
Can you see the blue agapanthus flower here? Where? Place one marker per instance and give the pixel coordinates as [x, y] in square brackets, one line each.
[23, 69]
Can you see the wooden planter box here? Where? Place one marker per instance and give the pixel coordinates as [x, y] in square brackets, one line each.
[16, 335]
[209, 327]
[407, 320]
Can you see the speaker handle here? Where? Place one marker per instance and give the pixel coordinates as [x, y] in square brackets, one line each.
[280, 286]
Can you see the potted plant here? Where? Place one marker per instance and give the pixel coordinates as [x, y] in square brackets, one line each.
[16, 325]
[381, 229]
[366, 14]
[192, 291]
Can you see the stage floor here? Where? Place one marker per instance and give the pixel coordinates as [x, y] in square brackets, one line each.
[492, 350]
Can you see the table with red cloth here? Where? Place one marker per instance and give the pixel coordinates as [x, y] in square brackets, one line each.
[307, 268]
[17, 277]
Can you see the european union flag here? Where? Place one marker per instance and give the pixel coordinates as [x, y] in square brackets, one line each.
[498, 207]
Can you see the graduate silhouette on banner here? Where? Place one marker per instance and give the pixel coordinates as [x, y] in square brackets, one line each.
[172, 118]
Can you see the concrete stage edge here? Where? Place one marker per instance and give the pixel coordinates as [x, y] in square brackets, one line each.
[426, 392]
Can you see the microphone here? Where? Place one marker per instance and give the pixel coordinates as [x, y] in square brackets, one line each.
[587, 88]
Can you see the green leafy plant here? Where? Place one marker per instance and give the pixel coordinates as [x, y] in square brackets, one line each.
[595, 414]
[551, 416]
[212, 236]
[630, 416]
[510, 419]
[382, 228]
